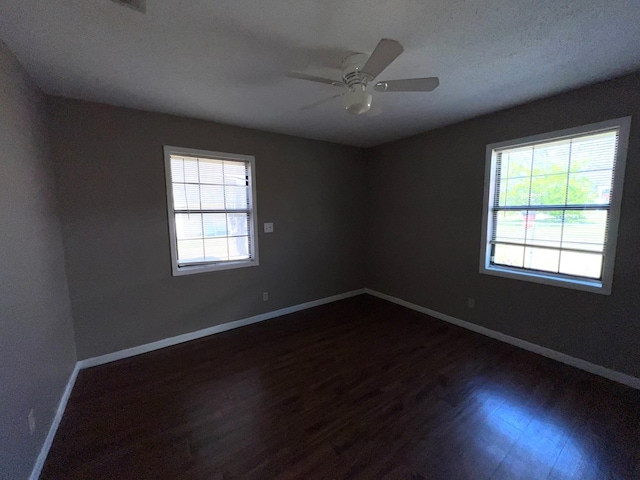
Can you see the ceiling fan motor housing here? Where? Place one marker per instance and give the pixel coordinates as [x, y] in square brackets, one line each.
[352, 73]
[357, 100]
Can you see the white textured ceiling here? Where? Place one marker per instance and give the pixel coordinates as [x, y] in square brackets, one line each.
[225, 60]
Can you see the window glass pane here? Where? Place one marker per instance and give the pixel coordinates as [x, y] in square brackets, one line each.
[238, 224]
[210, 171]
[216, 249]
[508, 255]
[594, 152]
[551, 158]
[190, 251]
[544, 228]
[516, 192]
[501, 192]
[186, 196]
[236, 197]
[177, 173]
[190, 170]
[518, 162]
[541, 259]
[188, 225]
[215, 225]
[585, 230]
[179, 196]
[590, 187]
[549, 189]
[238, 248]
[581, 264]
[510, 227]
[212, 197]
[235, 173]
[592, 162]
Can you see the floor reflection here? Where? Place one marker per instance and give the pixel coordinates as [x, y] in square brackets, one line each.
[543, 443]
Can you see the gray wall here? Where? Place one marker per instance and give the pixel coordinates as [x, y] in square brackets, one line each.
[422, 197]
[426, 197]
[36, 335]
[110, 170]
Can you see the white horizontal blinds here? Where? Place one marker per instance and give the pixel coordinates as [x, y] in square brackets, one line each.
[551, 204]
[212, 209]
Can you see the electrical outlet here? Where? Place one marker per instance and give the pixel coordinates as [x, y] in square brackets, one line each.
[265, 296]
[32, 421]
[471, 302]
[268, 227]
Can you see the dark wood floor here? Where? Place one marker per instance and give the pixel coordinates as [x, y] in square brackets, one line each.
[359, 389]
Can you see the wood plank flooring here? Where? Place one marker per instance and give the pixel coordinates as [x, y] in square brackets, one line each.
[358, 389]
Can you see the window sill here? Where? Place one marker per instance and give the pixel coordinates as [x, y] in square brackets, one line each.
[212, 267]
[595, 286]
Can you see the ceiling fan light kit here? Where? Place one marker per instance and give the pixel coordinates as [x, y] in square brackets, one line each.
[357, 102]
[358, 70]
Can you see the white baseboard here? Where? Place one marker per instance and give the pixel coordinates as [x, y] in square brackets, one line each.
[186, 337]
[532, 347]
[62, 405]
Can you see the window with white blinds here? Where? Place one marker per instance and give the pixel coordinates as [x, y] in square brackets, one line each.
[211, 204]
[553, 204]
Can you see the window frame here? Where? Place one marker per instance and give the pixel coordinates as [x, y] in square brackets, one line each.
[253, 261]
[602, 286]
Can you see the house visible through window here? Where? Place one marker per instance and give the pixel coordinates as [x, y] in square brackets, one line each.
[552, 206]
[211, 203]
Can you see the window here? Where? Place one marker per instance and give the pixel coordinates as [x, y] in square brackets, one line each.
[211, 205]
[552, 204]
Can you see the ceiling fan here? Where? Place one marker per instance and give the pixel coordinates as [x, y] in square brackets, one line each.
[358, 70]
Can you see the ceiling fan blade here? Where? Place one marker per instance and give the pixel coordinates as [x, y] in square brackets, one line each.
[313, 78]
[320, 102]
[386, 52]
[408, 85]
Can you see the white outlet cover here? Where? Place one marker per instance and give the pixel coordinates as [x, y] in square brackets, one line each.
[268, 228]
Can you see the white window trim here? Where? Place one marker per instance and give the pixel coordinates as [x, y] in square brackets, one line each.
[597, 286]
[178, 270]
